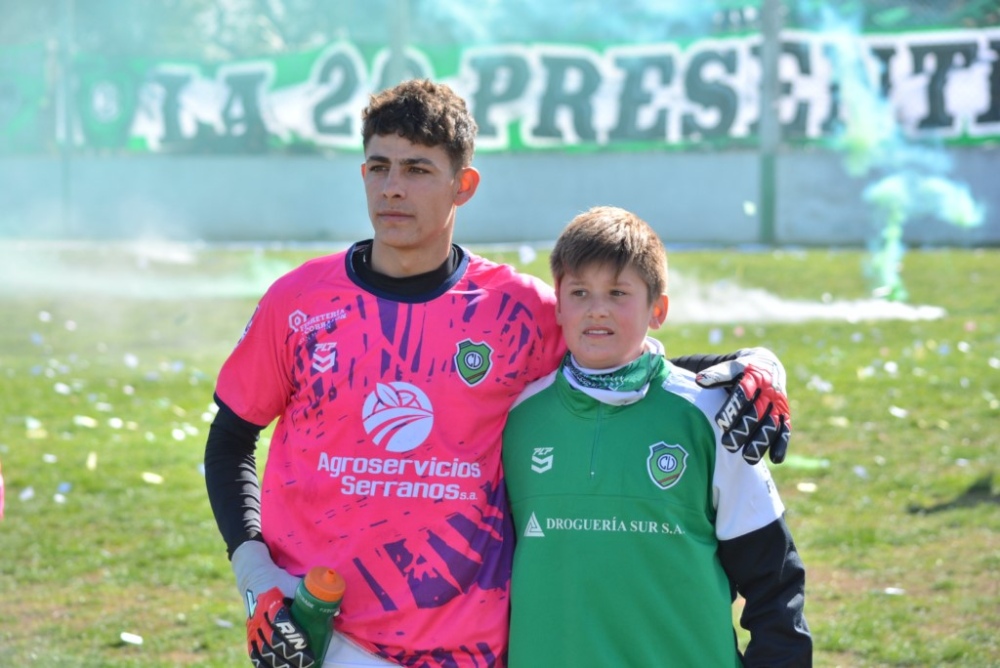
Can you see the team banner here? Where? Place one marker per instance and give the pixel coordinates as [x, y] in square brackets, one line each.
[941, 85]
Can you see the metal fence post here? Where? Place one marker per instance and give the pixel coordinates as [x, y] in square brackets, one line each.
[769, 127]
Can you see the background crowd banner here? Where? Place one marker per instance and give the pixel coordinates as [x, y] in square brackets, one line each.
[943, 85]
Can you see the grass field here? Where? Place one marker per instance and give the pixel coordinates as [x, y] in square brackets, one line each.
[107, 362]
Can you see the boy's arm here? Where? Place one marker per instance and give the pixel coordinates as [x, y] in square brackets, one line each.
[765, 568]
[755, 418]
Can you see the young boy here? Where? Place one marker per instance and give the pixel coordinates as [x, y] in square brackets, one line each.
[633, 525]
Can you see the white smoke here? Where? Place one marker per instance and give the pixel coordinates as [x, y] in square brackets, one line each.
[724, 302]
[165, 270]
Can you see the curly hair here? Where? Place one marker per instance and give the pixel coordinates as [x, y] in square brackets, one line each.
[426, 113]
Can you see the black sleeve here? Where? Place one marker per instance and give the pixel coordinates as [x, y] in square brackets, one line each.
[700, 362]
[767, 571]
[231, 477]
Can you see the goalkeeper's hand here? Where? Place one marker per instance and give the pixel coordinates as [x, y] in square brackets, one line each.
[755, 417]
[274, 640]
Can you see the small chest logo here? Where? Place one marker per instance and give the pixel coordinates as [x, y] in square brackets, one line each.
[541, 459]
[533, 529]
[473, 361]
[296, 319]
[666, 464]
[324, 356]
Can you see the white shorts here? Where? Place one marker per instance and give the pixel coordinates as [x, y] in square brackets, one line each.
[342, 653]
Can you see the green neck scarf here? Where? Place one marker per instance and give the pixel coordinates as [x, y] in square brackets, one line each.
[632, 377]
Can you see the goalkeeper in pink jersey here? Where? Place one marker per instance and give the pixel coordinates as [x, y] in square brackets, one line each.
[390, 368]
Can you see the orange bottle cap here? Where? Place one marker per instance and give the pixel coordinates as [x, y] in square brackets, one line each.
[325, 583]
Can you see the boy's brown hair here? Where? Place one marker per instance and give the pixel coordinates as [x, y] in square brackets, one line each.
[609, 236]
[426, 113]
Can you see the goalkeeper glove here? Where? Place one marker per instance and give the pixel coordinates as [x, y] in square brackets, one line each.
[755, 417]
[274, 640]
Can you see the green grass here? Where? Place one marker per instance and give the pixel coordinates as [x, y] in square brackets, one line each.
[895, 424]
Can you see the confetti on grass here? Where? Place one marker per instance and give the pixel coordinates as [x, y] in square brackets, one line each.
[152, 478]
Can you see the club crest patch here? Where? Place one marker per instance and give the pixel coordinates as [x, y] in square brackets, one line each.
[666, 464]
[473, 361]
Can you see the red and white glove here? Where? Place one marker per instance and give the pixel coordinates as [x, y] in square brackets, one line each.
[274, 640]
[755, 417]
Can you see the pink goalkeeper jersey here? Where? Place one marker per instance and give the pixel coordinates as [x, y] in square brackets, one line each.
[385, 462]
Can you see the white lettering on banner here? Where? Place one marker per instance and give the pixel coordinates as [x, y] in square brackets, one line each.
[940, 84]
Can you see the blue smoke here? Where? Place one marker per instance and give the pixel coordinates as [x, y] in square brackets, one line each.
[911, 179]
[633, 21]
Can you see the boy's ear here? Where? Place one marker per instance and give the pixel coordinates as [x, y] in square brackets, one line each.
[468, 181]
[659, 314]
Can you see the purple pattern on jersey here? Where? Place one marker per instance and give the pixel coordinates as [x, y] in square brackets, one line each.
[430, 589]
[377, 589]
[387, 313]
[496, 545]
[439, 658]
[472, 296]
[491, 536]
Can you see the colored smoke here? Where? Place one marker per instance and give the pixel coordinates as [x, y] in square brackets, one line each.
[639, 21]
[909, 180]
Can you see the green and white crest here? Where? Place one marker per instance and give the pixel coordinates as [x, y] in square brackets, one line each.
[473, 361]
[666, 464]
